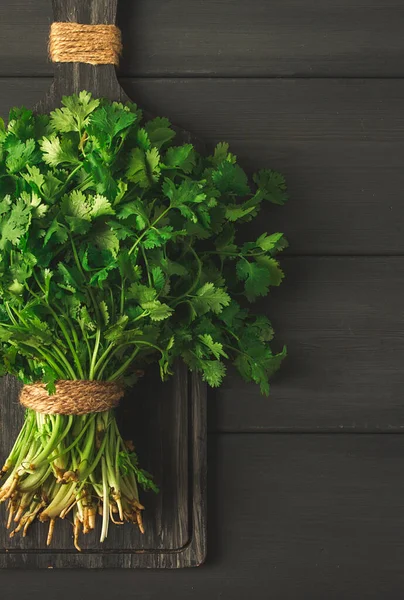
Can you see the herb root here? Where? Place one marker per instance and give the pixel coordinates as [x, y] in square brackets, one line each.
[72, 466]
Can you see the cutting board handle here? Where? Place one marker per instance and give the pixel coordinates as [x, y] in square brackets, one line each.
[91, 12]
[71, 78]
[100, 80]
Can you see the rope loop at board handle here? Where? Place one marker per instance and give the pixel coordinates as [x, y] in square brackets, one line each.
[79, 43]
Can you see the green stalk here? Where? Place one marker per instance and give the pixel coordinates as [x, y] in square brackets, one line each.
[55, 438]
[195, 282]
[97, 459]
[85, 454]
[61, 326]
[139, 239]
[125, 365]
[69, 343]
[19, 443]
[45, 355]
[64, 360]
[95, 353]
[89, 290]
[34, 480]
[103, 357]
[77, 437]
[105, 499]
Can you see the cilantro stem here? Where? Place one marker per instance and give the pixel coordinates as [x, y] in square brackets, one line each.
[68, 179]
[122, 295]
[112, 303]
[235, 254]
[62, 357]
[196, 280]
[77, 438]
[95, 353]
[63, 330]
[236, 350]
[105, 498]
[103, 357]
[86, 341]
[45, 355]
[231, 333]
[10, 314]
[89, 290]
[125, 365]
[149, 279]
[139, 239]
[69, 343]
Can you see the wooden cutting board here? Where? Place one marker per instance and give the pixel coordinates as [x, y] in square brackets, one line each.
[166, 421]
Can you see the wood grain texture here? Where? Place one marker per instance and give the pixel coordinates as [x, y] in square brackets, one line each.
[339, 142]
[228, 37]
[342, 320]
[291, 516]
[168, 425]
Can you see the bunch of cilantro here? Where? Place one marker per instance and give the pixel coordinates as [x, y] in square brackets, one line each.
[120, 248]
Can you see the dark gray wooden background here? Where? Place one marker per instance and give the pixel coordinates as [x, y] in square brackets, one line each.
[306, 489]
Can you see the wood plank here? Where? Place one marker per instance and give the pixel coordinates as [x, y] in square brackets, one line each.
[228, 37]
[23, 41]
[340, 144]
[291, 516]
[342, 319]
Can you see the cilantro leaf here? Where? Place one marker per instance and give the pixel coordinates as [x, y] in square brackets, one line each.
[108, 121]
[143, 167]
[216, 348]
[221, 153]
[15, 224]
[230, 178]
[213, 372]
[75, 114]
[158, 278]
[256, 277]
[19, 154]
[180, 157]
[209, 298]
[157, 311]
[269, 242]
[159, 131]
[56, 152]
[271, 186]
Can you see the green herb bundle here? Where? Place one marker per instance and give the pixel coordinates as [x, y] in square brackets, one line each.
[118, 249]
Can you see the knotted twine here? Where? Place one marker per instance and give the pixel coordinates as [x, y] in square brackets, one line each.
[92, 44]
[72, 397]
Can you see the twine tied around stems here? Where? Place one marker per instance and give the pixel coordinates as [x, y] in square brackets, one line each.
[72, 397]
[92, 44]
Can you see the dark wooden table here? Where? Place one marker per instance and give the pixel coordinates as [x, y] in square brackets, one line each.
[306, 489]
